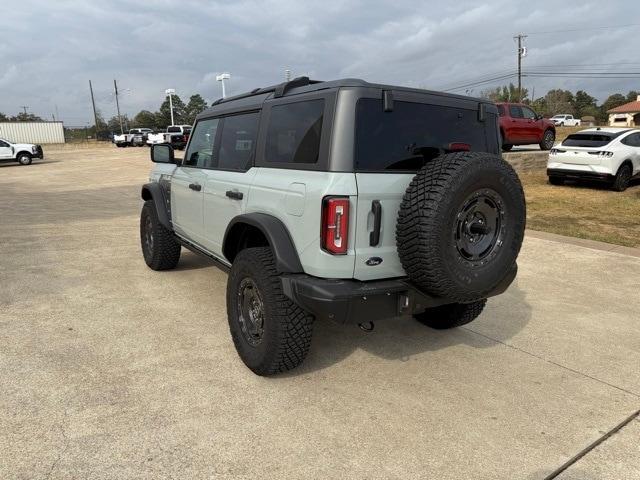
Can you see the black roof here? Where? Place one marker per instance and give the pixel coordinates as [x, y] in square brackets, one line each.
[255, 98]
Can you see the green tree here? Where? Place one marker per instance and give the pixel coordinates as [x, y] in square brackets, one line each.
[613, 101]
[506, 93]
[195, 105]
[559, 101]
[632, 96]
[144, 119]
[113, 124]
[164, 115]
[3, 117]
[584, 104]
[26, 117]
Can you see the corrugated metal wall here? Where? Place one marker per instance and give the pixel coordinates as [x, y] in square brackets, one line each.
[32, 132]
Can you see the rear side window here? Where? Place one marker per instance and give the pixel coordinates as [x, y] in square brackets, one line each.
[294, 131]
[238, 141]
[414, 133]
[588, 140]
[201, 147]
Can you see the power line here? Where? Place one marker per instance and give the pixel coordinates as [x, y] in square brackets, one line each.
[584, 29]
[475, 84]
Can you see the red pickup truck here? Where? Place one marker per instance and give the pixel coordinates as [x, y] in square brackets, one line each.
[520, 125]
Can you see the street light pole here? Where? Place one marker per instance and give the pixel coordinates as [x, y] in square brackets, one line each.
[170, 92]
[221, 78]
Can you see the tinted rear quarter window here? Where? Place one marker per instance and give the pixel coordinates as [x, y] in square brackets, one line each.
[293, 134]
[414, 133]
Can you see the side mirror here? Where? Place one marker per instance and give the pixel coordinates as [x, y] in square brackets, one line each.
[162, 154]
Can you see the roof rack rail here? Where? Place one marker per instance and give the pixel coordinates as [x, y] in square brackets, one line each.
[283, 88]
[278, 90]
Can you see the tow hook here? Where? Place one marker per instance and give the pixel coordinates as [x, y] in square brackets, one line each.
[367, 326]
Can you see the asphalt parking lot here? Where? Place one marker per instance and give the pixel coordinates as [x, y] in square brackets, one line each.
[111, 370]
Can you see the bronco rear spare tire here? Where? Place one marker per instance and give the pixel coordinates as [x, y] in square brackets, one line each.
[461, 225]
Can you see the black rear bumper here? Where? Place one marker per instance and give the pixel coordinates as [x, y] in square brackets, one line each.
[353, 301]
[579, 175]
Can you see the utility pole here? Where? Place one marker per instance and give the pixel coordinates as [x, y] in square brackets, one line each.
[521, 53]
[95, 114]
[115, 86]
[24, 107]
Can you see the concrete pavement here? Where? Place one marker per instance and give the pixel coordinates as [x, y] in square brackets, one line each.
[111, 370]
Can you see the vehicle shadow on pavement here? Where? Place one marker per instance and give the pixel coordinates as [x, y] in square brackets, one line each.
[35, 162]
[399, 339]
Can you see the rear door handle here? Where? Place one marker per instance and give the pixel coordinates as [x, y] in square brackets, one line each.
[195, 186]
[374, 237]
[234, 195]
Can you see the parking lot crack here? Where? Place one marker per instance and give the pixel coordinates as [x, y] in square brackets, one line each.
[591, 446]
[65, 447]
[554, 363]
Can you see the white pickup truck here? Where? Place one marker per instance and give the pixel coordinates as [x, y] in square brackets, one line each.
[564, 120]
[136, 137]
[176, 136]
[23, 153]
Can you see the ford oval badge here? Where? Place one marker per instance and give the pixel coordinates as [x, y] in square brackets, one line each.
[373, 261]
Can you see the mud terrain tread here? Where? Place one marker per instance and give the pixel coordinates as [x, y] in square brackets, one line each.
[291, 326]
[166, 251]
[420, 222]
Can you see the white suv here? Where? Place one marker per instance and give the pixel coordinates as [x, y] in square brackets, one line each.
[610, 155]
[342, 201]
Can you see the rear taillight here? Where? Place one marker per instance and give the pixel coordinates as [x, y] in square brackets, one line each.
[459, 147]
[335, 225]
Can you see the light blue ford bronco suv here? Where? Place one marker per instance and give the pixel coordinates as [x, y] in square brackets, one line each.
[344, 201]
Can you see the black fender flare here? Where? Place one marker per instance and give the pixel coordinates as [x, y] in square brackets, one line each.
[277, 235]
[154, 192]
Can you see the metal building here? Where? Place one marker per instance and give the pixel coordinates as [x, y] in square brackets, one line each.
[32, 132]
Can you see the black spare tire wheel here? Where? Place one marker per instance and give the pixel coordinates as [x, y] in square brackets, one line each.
[461, 225]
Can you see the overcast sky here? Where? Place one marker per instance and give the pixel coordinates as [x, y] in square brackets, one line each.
[50, 49]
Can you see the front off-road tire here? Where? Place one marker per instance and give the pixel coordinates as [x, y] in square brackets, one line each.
[452, 315]
[270, 332]
[159, 247]
[461, 225]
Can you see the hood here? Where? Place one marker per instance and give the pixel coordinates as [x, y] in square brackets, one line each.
[24, 146]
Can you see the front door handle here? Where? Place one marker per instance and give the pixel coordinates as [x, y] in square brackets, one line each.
[234, 195]
[195, 186]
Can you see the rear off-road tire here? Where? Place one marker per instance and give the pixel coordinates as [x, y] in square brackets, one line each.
[270, 332]
[159, 247]
[451, 316]
[461, 225]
